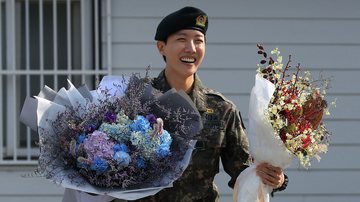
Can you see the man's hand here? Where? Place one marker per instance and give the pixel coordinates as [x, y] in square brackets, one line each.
[270, 175]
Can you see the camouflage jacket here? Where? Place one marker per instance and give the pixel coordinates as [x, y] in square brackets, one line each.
[222, 136]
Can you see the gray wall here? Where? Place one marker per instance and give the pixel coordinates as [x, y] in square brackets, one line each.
[324, 36]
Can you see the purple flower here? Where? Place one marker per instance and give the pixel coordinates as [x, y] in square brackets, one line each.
[110, 117]
[151, 118]
[98, 144]
[89, 128]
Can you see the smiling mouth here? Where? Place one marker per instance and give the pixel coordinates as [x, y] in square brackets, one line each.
[187, 60]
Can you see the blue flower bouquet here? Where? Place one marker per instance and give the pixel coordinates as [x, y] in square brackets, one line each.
[125, 139]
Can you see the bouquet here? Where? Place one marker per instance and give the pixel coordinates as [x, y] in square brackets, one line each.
[125, 139]
[285, 120]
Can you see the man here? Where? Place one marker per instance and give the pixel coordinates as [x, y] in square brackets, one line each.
[181, 41]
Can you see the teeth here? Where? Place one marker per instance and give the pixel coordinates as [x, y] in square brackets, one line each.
[189, 60]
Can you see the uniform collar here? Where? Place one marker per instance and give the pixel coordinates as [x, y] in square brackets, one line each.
[197, 94]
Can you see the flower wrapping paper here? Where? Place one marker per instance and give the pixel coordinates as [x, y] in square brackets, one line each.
[40, 111]
[264, 146]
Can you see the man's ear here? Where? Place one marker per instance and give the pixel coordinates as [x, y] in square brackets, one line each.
[161, 46]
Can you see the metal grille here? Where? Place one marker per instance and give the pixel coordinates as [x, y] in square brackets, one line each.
[45, 42]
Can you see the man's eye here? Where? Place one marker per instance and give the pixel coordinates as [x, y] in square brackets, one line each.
[181, 39]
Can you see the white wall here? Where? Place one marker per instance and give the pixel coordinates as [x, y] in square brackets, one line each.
[16, 185]
[322, 35]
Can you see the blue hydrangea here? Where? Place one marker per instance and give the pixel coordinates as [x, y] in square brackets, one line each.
[140, 124]
[137, 139]
[163, 150]
[140, 163]
[99, 165]
[122, 119]
[119, 132]
[165, 138]
[80, 139]
[120, 147]
[122, 158]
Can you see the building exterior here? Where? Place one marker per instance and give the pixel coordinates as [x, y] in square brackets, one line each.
[43, 42]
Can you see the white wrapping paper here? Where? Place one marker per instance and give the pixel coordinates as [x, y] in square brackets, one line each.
[265, 146]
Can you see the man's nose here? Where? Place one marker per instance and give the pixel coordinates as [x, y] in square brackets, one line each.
[190, 47]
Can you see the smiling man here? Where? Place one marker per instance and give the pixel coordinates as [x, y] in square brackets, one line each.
[181, 41]
[183, 51]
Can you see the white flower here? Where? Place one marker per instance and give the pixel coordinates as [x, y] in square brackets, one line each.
[290, 106]
[275, 51]
[333, 103]
[274, 109]
[327, 112]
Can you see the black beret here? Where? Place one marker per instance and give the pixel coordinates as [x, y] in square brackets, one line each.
[185, 18]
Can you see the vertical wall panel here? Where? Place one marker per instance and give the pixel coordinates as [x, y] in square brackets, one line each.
[321, 35]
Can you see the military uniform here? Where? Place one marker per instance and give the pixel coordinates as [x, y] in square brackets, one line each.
[222, 136]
